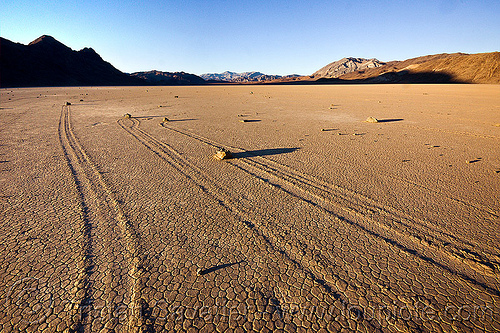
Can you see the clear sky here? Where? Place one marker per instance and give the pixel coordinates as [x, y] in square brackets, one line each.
[272, 36]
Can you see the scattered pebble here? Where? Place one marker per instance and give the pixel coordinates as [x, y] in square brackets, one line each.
[127, 115]
[165, 120]
[371, 120]
[243, 120]
[176, 96]
[68, 103]
[247, 224]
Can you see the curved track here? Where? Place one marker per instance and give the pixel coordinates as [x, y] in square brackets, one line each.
[440, 256]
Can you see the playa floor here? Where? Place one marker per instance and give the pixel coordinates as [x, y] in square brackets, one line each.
[319, 221]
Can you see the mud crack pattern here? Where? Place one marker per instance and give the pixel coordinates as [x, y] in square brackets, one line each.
[121, 225]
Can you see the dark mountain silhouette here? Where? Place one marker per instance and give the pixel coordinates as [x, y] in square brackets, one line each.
[48, 62]
[166, 78]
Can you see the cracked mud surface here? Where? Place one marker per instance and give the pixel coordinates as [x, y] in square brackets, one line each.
[113, 224]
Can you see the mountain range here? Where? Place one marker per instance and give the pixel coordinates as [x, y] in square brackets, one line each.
[242, 77]
[48, 62]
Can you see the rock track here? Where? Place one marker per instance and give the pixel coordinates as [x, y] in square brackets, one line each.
[109, 282]
[378, 218]
[440, 253]
[261, 245]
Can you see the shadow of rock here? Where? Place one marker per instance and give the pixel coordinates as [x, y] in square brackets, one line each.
[389, 120]
[216, 268]
[186, 119]
[264, 152]
[250, 120]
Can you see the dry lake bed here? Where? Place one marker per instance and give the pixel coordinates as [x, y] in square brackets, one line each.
[321, 221]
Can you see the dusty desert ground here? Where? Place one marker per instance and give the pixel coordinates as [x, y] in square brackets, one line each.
[320, 222]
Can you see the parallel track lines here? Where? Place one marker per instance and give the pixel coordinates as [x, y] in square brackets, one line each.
[391, 223]
[329, 187]
[375, 220]
[100, 208]
[295, 253]
[205, 182]
[385, 218]
[81, 290]
[296, 256]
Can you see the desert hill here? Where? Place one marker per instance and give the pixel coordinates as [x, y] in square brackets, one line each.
[439, 68]
[436, 68]
[346, 65]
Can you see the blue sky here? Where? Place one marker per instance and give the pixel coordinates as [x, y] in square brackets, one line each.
[275, 37]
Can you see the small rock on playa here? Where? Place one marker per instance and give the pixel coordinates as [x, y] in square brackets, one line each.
[223, 154]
